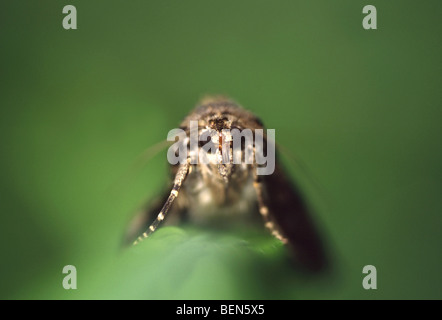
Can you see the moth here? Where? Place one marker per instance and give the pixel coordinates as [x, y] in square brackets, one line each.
[221, 190]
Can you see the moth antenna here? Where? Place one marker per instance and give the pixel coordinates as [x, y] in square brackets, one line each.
[141, 160]
[178, 181]
[263, 209]
[305, 170]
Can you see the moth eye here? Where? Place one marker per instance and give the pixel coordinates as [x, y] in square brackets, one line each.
[243, 142]
[204, 141]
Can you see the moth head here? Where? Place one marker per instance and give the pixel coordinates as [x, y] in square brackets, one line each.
[217, 147]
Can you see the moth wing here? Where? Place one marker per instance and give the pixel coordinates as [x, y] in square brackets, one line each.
[293, 218]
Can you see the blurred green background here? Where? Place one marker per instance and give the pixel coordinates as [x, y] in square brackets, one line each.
[360, 107]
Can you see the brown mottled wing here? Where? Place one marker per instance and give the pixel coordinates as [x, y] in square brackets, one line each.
[291, 214]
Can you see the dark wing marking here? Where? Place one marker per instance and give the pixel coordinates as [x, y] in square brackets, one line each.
[292, 216]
